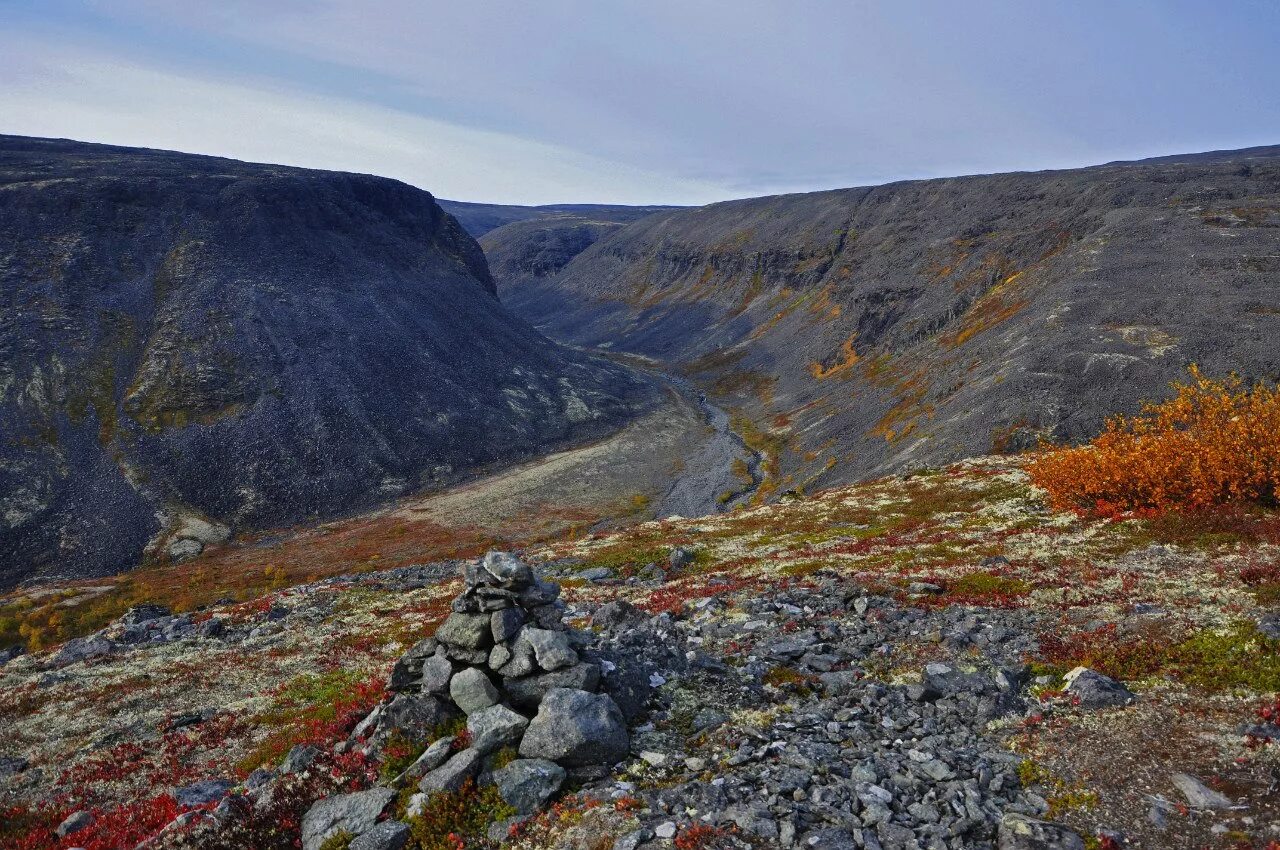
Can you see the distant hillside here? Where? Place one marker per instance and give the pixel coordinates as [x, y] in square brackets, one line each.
[479, 219]
[191, 346]
[867, 330]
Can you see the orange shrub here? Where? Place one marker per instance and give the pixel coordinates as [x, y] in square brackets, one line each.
[1215, 442]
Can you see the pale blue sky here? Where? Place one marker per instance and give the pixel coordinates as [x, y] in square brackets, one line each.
[647, 102]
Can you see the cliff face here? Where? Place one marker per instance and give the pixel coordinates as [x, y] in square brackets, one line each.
[479, 219]
[190, 345]
[866, 330]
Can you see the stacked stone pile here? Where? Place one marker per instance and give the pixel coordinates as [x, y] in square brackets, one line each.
[506, 661]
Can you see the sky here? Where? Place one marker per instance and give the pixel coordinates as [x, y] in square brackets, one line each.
[660, 101]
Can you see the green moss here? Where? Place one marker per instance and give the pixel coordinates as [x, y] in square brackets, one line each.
[458, 819]
[340, 840]
[1238, 658]
[984, 583]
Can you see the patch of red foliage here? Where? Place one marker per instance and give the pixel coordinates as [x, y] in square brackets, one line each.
[1124, 656]
[123, 826]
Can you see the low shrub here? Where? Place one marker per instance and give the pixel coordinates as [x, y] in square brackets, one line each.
[1216, 442]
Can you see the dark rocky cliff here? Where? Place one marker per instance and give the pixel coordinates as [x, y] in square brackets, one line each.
[866, 330]
[479, 219]
[191, 345]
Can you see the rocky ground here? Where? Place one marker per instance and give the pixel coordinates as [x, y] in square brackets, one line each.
[890, 665]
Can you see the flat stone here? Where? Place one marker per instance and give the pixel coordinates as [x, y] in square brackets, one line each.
[1019, 832]
[507, 568]
[74, 822]
[527, 692]
[495, 727]
[354, 813]
[1199, 795]
[471, 690]
[451, 775]
[203, 792]
[431, 758]
[576, 728]
[528, 784]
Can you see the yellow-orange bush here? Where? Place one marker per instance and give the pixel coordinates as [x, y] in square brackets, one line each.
[1215, 442]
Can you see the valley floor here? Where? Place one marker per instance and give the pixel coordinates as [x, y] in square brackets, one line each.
[862, 661]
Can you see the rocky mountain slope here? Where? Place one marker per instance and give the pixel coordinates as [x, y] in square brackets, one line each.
[479, 219]
[864, 330]
[890, 665]
[192, 346]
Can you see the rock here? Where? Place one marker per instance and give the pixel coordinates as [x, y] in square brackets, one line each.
[82, 649]
[431, 758]
[184, 548]
[467, 631]
[143, 613]
[471, 690]
[435, 674]
[505, 624]
[550, 649]
[1199, 795]
[1019, 832]
[630, 687]
[680, 557]
[74, 822]
[499, 656]
[388, 835]
[522, 661]
[212, 628]
[923, 587]
[506, 568]
[299, 758]
[495, 727]
[613, 615]
[666, 829]
[575, 728]
[451, 775]
[1095, 690]
[413, 717]
[527, 784]
[202, 793]
[595, 574]
[408, 668]
[528, 691]
[830, 839]
[11, 765]
[355, 813]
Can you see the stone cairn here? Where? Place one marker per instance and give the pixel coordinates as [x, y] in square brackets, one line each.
[505, 659]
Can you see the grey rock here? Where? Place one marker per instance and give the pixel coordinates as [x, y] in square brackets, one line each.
[680, 557]
[528, 784]
[432, 757]
[550, 649]
[528, 691]
[301, 757]
[495, 727]
[354, 813]
[73, 823]
[830, 839]
[408, 668]
[522, 661]
[471, 690]
[1095, 690]
[143, 613]
[435, 673]
[506, 568]
[499, 656]
[576, 728]
[505, 624]
[451, 775]
[388, 835]
[203, 792]
[616, 614]
[413, 717]
[1019, 832]
[468, 631]
[82, 649]
[11, 765]
[1199, 795]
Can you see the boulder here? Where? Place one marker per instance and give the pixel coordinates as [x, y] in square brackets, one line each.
[576, 728]
[299, 758]
[495, 727]
[527, 784]
[73, 823]
[436, 673]
[431, 758]
[1095, 690]
[82, 649]
[353, 813]
[414, 717]
[471, 690]
[617, 614]
[408, 669]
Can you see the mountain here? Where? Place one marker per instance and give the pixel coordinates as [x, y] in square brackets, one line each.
[479, 219]
[193, 346]
[867, 330]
